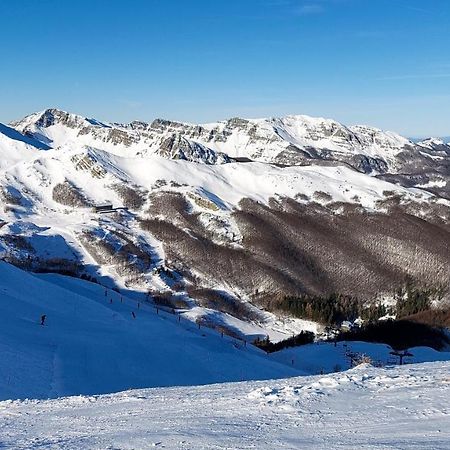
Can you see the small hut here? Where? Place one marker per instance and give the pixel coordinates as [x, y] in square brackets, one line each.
[103, 208]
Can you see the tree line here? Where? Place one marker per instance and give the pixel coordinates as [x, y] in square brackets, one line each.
[335, 308]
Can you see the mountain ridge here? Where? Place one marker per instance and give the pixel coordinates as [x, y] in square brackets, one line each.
[311, 206]
[289, 140]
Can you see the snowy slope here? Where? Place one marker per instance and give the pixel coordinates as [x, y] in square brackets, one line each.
[15, 147]
[323, 357]
[92, 344]
[365, 408]
[89, 345]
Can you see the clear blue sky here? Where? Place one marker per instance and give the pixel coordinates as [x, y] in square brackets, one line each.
[381, 62]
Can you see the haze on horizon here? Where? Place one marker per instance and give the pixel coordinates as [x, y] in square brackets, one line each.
[381, 63]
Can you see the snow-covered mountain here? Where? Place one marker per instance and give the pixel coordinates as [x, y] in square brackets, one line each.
[223, 218]
[284, 140]
[61, 129]
[290, 140]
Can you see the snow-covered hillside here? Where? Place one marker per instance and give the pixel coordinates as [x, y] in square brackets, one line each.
[241, 209]
[91, 343]
[365, 408]
[96, 340]
[15, 147]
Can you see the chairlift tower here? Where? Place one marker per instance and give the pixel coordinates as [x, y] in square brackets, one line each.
[401, 355]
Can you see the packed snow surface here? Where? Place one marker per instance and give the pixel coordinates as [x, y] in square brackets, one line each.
[364, 408]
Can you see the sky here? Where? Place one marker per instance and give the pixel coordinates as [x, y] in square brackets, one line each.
[384, 63]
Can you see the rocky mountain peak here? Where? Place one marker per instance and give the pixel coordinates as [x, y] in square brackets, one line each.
[178, 147]
[434, 144]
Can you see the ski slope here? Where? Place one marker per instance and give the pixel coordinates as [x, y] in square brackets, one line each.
[89, 345]
[92, 344]
[364, 408]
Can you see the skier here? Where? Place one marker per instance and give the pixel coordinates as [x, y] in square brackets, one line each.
[43, 317]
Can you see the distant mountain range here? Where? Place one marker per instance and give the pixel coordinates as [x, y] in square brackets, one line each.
[227, 218]
[445, 139]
